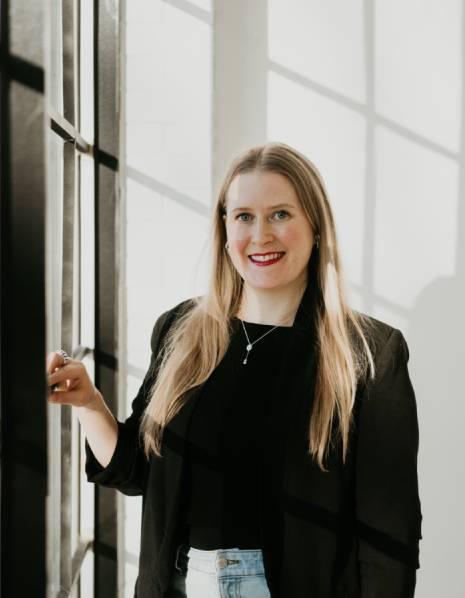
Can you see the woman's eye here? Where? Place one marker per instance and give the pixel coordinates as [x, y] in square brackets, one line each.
[285, 213]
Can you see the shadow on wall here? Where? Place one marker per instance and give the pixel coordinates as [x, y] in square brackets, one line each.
[437, 325]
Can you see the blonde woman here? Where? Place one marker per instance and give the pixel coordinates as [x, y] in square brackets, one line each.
[275, 436]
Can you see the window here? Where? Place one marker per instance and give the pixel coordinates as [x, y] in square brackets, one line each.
[82, 279]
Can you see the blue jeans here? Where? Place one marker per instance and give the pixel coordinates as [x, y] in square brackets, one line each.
[218, 574]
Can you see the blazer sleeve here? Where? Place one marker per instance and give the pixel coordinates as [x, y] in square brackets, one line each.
[388, 508]
[128, 467]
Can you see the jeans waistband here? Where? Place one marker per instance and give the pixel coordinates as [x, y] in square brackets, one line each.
[220, 562]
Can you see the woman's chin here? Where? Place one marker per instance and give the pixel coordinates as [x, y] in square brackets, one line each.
[261, 284]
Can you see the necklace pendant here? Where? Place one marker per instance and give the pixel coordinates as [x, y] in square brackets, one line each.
[249, 348]
[249, 345]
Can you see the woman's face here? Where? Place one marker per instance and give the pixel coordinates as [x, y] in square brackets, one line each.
[264, 217]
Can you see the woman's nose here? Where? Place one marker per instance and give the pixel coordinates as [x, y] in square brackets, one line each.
[262, 230]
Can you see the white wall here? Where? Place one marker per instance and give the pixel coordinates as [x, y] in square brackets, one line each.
[373, 93]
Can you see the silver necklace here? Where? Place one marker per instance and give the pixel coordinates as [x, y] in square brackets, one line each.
[250, 345]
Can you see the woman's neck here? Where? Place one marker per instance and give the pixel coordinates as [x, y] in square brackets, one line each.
[277, 307]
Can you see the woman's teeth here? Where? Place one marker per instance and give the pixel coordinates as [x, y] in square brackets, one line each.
[265, 258]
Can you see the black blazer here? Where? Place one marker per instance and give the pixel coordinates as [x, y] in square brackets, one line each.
[350, 533]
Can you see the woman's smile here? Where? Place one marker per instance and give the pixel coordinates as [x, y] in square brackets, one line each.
[266, 259]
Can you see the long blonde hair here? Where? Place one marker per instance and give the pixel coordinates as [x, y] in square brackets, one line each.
[197, 341]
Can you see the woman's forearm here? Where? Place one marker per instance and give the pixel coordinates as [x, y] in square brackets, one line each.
[100, 428]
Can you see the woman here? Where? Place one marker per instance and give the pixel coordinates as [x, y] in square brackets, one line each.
[275, 436]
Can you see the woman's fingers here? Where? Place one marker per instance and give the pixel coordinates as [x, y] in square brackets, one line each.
[54, 360]
[67, 397]
[69, 384]
[77, 398]
[70, 371]
[72, 384]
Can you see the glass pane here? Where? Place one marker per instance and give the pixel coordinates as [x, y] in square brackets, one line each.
[75, 482]
[87, 576]
[86, 202]
[87, 70]
[54, 237]
[54, 219]
[87, 490]
[55, 58]
[132, 519]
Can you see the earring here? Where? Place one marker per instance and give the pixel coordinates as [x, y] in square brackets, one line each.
[226, 245]
[317, 241]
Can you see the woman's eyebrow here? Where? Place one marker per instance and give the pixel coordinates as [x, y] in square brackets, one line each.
[280, 205]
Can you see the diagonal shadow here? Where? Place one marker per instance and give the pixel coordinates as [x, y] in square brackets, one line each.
[170, 192]
[365, 109]
[191, 9]
[305, 510]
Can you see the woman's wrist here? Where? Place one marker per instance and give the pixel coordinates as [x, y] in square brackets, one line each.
[95, 403]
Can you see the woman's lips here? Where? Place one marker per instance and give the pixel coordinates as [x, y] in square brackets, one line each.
[267, 262]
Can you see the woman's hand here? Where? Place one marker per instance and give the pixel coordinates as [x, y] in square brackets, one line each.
[70, 384]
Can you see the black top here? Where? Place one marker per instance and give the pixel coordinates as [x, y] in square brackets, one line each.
[225, 465]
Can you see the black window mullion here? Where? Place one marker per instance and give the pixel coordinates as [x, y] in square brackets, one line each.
[106, 127]
[22, 272]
